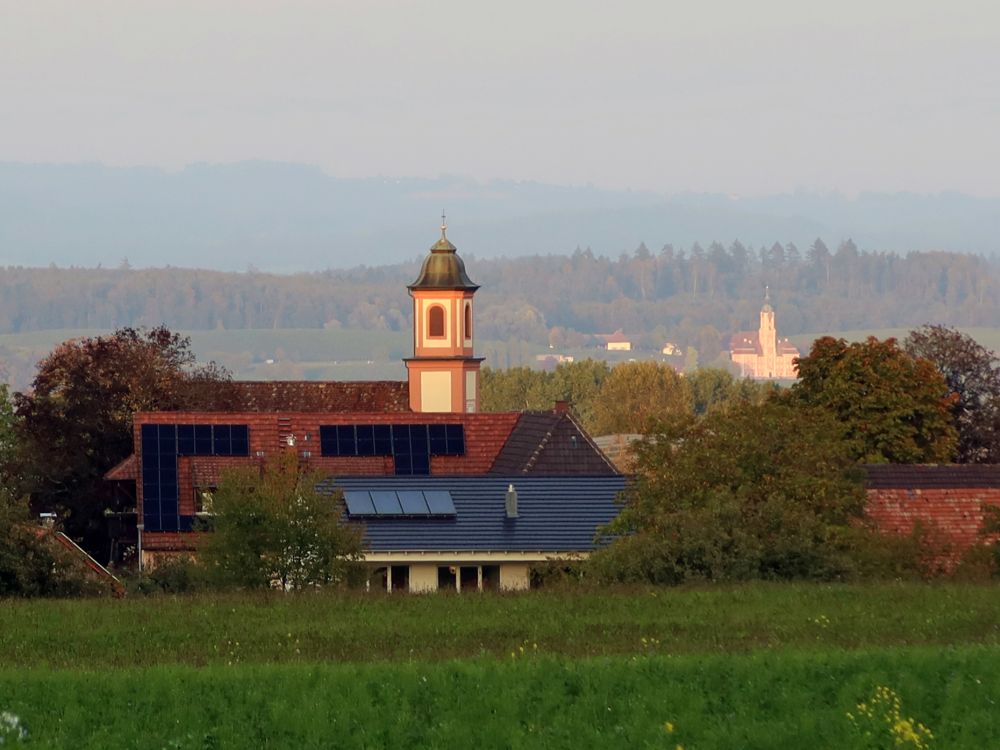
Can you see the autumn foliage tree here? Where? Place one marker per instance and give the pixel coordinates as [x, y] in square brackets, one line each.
[895, 408]
[753, 491]
[76, 421]
[972, 373]
[637, 394]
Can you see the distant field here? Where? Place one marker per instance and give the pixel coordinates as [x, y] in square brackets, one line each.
[756, 666]
[297, 353]
[339, 354]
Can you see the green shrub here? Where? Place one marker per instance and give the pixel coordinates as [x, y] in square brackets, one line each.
[757, 491]
[178, 575]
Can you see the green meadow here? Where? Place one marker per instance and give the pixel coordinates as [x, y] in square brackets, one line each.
[755, 666]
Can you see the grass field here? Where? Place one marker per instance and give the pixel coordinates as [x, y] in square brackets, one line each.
[757, 666]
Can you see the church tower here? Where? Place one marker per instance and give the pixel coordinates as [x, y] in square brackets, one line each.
[443, 374]
[767, 335]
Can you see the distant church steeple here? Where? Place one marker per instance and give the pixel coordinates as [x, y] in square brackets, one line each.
[443, 374]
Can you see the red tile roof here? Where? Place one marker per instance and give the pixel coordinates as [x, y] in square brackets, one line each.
[745, 342]
[206, 470]
[127, 470]
[321, 396]
[618, 337]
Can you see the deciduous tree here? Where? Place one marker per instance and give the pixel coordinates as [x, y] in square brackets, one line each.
[972, 373]
[7, 438]
[895, 408]
[76, 422]
[636, 395]
[754, 491]
[271, 527]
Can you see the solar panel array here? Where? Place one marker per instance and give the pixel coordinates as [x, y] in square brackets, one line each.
[399, 503]
[410, 445]
[161, 446]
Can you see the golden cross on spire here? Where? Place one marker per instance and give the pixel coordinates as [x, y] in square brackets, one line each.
[444, 224]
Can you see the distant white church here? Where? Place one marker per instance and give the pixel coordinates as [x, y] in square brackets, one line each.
[760, 354]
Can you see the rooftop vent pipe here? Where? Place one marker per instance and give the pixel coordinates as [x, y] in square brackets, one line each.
[511, 502]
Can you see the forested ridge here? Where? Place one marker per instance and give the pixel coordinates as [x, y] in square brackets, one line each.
[694, 296]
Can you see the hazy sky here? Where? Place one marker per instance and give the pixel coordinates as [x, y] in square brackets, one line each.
[737, 97]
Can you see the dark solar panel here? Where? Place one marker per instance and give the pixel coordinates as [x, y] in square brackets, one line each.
[456, 440]
[161, 445]
[386, 503]
[359, 503]
[185, 439]
[240, 438]
[221, 442]
[347, 442]
[412, 502]
[366, 439]
[383, 439]
[438, 438]
[420, 463]
[202, 440]
[403, 463]
[410, 445]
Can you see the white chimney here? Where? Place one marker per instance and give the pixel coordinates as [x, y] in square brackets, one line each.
[511, 502]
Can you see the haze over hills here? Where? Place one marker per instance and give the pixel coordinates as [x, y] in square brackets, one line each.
[291, 217]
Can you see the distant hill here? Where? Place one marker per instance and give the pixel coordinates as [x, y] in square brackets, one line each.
[291, 217]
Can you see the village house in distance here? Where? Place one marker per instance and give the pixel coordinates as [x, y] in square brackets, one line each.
[761, 354]
[448, 497]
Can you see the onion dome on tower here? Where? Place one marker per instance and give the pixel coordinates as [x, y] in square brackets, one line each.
[443, 373]
[443, 268]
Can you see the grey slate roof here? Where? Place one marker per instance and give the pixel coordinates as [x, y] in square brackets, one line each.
[550, 443]
[927, 476]
[555, 514]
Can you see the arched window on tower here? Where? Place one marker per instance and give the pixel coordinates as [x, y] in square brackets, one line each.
[435, 321]
[468, 320]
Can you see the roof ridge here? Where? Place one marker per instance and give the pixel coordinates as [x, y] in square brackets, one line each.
[590, 440]
[541, 446]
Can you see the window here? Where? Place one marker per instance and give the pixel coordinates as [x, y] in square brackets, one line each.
[468, 320]
[435, 322]
[203, 501]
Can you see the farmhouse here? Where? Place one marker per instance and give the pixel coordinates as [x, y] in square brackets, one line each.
[617, 341]
[449, 497]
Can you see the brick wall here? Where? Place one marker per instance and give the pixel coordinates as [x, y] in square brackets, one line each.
[951, 517]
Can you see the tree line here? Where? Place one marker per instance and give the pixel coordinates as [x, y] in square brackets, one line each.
[693, 296]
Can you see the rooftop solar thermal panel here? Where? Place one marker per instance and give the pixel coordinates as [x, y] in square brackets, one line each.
[359, 503]
[386, 503]
[413, 502]
[439, 502]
